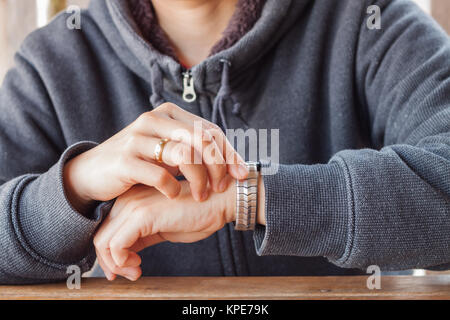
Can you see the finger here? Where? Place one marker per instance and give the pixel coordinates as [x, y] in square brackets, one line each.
[130, 270]
[117, 216]
[162, 126]
[140, 245]
[173, 170]
[105, 255]
[157, 124]
[211, 153]
[153, 175]
[133, 260]
[235, 163]
[109, 275]
[131, 273]
[205, 152]
[146, 242]
[139, 225]
[176, 155]
[195, 174]
[197, 177]
[103, 236]
[215, 163]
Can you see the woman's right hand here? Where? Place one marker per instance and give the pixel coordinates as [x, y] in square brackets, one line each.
[126, 159]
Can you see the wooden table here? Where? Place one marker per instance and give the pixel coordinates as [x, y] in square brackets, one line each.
[392, 287]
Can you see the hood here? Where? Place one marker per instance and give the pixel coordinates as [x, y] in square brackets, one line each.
[164, 73]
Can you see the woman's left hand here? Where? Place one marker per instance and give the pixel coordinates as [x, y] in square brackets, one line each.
[143, 217]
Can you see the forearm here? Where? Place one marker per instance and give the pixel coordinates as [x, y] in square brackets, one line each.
[365, 207]
[42, 234]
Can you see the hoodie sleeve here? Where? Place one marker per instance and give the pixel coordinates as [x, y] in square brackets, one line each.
[41, 234]
[388, 206]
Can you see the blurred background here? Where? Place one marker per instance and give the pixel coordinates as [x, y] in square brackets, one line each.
[20, 17]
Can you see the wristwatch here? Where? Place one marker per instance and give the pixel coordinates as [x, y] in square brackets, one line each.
[247, 198]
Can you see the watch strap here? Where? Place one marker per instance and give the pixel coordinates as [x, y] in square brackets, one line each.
[247, 199]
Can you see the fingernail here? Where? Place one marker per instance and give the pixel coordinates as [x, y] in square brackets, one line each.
[243, 171]
[131, 278]
[204, 196]
[223, 184]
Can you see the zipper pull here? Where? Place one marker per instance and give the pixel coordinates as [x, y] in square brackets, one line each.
[189, 94]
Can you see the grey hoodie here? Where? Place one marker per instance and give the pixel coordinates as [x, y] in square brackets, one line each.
[364, 119]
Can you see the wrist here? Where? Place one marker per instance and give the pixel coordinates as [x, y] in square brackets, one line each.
[72, 178]
[230, 202]
[261, 213]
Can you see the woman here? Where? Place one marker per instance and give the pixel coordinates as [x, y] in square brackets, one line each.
[363, 114]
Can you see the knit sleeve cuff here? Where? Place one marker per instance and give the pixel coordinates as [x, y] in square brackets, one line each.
[306, 212]
[51, 229]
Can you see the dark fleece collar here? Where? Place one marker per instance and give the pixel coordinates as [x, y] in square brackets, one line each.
[244, 18]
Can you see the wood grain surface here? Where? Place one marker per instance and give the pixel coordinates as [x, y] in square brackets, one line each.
[286, 288]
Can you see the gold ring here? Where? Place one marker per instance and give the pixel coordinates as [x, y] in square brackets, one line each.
[159, 149]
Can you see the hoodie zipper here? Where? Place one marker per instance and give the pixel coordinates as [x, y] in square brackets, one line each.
[189, 94]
